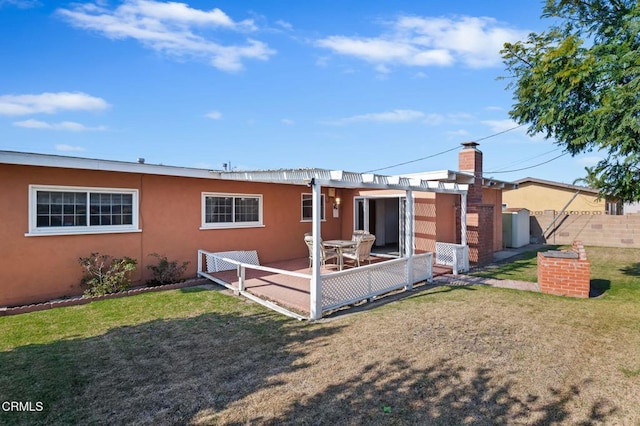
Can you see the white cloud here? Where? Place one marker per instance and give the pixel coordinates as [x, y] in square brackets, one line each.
[380, 51]
[64, 125]
[460, 118]
[434, 119]
[49, 103]
[284, 24]
[589, 161]
[20, 4]
[68, 148]
[214, 115]
[460, 132]
[287, 121]
[428, 41]
[172, 28]
[497, 126]
[510, 126]
[395, 116]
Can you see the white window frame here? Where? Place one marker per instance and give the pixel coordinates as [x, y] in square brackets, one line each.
[229, 225]
[322, 208]
[34, 230]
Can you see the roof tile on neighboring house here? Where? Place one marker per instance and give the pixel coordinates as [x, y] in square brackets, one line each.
[557, 185]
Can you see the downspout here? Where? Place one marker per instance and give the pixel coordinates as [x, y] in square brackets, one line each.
[463, 235]
[408, 237]
[463, 218]
[315, 294]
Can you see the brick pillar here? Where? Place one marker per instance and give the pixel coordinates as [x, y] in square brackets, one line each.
[480, 217]
[470, 161]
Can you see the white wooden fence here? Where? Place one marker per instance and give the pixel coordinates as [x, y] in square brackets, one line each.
[337, 289]
[454, 255]
[366, 282]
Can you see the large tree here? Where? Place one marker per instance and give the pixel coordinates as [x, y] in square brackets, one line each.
[579, 83]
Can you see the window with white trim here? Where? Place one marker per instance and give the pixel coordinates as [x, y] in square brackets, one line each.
[231, 210]
[307, 207]
[77, 210]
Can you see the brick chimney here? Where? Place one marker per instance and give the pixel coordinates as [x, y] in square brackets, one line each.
[480, 217]
[470, 161]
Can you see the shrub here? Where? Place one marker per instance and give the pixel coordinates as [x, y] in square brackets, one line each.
[166, 271]
[105, 274]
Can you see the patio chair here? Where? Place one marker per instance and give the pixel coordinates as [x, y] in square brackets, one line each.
[359, 233]
[362, 251]
[325, 253]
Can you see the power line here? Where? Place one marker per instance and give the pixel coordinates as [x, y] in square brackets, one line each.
[441, 152]
[513, 163]
[499, 133]
[530, 167]
[412, 161]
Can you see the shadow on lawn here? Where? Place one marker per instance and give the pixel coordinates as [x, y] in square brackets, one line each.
[397, 393]
[598, 287]
[631, 270]
[160, 372]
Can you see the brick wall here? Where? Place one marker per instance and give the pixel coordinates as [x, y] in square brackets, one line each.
[470, 161]
[592, 228]
[480, 234]
[480, 216]
[565, 273]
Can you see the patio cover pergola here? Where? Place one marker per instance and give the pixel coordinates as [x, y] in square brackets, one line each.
[317, 178]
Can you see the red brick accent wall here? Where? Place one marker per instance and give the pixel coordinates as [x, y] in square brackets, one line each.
[480, 234]
[480, 217]
[564, 276]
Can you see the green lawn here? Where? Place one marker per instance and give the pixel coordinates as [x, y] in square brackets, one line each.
[608, 265]
[440, 355]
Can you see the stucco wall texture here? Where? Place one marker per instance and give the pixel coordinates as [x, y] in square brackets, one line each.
[540, 197]
[38, 268]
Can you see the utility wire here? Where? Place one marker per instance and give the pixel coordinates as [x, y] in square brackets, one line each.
[528, 159]
[412, 161]
[530, 167]
[499, 133]
[441, 152]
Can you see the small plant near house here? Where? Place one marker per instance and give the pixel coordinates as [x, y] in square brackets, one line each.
[105, 274]
[166, 271]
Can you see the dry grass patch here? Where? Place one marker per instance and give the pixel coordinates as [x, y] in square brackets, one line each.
[443, 355]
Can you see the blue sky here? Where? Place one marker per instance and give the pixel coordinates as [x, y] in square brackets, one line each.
[351, 85]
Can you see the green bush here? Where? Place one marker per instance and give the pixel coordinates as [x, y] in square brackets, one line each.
[166, 271]
[105, 274]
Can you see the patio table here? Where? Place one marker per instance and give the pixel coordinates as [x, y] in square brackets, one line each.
[339, 245]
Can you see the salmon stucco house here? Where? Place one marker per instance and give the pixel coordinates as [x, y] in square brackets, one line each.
[56, 209]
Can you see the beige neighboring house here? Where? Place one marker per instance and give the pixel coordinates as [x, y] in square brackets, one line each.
[538, 195]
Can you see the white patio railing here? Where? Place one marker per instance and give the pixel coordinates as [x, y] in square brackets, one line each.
[366, 282]
[337, 288]
[454, 255]
[214, 261]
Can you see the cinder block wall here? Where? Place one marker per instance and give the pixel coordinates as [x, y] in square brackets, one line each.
[592, 229]
[564, 276]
